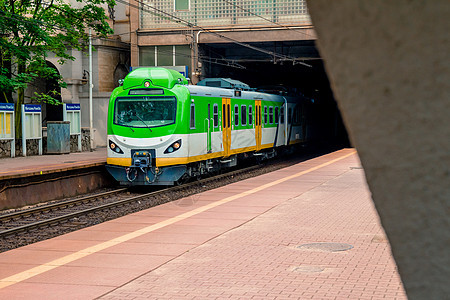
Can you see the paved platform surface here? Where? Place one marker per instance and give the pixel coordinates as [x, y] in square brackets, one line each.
[240, 242]
[43, 164]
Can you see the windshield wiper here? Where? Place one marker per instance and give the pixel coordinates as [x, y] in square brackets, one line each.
[143, 122]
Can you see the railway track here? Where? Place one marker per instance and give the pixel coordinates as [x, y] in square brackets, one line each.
[50, 215]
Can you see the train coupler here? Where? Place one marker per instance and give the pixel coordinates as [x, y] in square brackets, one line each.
[142, 160]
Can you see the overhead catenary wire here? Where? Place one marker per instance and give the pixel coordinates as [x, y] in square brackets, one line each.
[268, 20]
[226, 62]
[176, 19]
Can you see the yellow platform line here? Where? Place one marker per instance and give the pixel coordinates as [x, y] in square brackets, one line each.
[19, 277]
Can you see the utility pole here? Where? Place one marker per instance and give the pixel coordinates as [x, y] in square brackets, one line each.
[91, 86]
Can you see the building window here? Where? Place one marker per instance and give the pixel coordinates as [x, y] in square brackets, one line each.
[243, 115]
[265, 114]
[282, 115]
[250, 115]
[271, 115]
[164, 55]
[236, 115]
[182, 55]
[216, 115]
[181, 5]
[192, 123]
[179, 55]
[147, 56]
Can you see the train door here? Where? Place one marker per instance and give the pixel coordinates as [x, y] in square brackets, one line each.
[226, 125]
[258, 131]
[209, 128]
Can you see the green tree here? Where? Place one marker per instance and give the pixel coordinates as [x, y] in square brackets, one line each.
[32, 29]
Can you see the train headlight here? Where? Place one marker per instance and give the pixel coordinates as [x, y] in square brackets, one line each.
[173, 147]
[147, 84]
[113, 146]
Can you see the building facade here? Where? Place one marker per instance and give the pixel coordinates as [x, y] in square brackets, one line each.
[196, 37]
[179, 32]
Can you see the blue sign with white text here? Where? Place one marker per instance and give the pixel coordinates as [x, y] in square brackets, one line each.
[6, 106]
[73, 106]
[32, 108]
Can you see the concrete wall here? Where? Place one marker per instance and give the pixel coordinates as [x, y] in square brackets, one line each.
[388, 62]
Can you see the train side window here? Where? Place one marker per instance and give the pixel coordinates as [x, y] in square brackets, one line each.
[289, 115]
[243, 115]
[229, 116]
[297, 116]
[276, 115]
[259, 116]
[265, 114]
[192, 123]
[282, 115]
[216, 115]
[271, 115]
[250, 115]
[236, 115]
[224, 112]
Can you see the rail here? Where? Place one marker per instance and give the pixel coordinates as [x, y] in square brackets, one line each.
[21, 215]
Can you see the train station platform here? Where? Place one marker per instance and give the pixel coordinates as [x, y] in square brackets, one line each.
[309, 231]
[18, 167]
[34, 179]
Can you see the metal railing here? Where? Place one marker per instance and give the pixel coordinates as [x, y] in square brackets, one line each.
[210, 13]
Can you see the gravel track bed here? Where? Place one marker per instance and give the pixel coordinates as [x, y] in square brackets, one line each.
[43, 233]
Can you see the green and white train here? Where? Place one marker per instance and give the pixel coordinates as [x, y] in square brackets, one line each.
[162, 131]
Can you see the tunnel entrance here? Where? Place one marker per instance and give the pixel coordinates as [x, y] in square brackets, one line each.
[306, 76]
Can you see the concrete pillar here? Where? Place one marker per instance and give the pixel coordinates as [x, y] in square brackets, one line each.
[389, 66]
[134, 26]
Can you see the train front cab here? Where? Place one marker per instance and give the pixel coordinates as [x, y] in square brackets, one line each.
[144, 125]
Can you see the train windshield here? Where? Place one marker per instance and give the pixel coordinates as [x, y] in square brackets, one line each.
[145, 111]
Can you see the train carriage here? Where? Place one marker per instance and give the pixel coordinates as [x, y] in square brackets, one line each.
[162, 130]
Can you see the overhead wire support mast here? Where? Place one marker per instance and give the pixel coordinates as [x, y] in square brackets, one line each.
[189, 24]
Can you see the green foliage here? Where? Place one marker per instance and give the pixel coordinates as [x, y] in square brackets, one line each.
[49, 98]
[32, 29]
[19, 81]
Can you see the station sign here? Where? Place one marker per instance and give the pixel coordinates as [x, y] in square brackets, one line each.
[7, 128]
[72, 113]
[31, 108]
[6, 106]
[31, 125]
[73, 106]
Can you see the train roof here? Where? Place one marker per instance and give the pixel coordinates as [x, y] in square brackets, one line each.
[208, 91]
[158, 77]
[226, 83]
